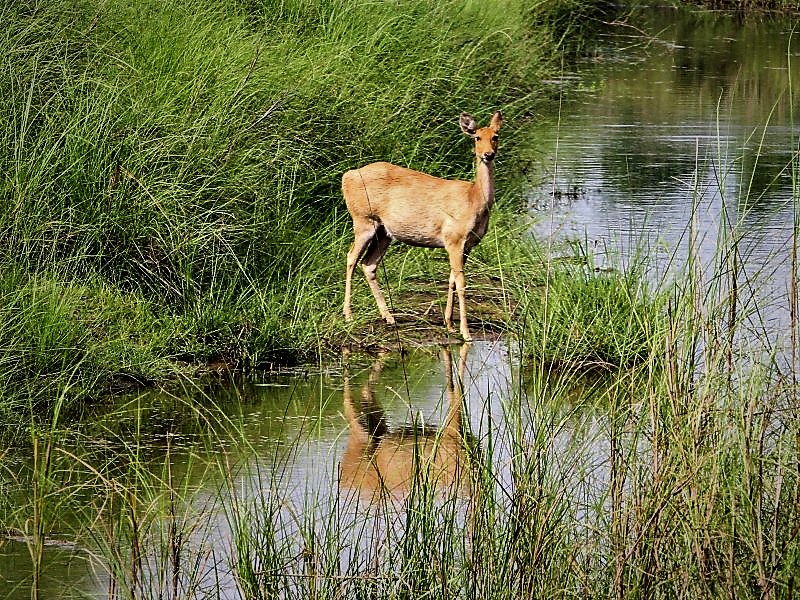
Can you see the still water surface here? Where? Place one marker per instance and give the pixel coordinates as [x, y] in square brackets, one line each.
[684, 142]
[685, 120]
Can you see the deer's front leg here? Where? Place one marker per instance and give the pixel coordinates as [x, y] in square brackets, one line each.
[456, 254]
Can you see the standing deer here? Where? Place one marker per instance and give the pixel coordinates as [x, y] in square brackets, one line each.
[389, 202]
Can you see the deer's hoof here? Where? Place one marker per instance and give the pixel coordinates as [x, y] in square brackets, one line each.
[389, 319]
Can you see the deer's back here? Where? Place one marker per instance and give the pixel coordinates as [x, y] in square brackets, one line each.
[414, 207]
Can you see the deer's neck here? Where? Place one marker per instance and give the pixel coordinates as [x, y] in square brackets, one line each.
[483, 188]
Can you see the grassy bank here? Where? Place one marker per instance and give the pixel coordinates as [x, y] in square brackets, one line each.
[169, 185]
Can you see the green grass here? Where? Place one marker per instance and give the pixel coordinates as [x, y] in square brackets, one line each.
[169, 189]
[576, 315]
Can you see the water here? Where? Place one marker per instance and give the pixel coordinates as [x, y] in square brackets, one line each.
[683, 141]
[296, 443]
[301, 454]
[688, 124]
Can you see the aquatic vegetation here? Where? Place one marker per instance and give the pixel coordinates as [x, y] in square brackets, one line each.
[577, 315]
[623, 484]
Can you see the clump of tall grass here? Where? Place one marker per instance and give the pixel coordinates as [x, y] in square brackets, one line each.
[592, 318]
[568, 311]
[185, 157]
[68, 337]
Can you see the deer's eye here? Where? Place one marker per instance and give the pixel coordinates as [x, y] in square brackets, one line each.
[495, 138]
[477, 138]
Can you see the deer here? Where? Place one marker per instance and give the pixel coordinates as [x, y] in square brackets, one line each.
[388, 202]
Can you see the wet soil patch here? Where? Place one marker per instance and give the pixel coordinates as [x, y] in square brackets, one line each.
[419, 315]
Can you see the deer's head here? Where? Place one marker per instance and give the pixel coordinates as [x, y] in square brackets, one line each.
[485, 138]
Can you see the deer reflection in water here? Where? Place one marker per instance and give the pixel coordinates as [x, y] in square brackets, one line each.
[380, 461]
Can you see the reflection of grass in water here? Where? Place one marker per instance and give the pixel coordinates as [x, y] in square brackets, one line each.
[122, 503]
[698, 67]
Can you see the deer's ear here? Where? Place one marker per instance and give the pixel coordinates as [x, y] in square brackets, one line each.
[467, 123]
[497, 121]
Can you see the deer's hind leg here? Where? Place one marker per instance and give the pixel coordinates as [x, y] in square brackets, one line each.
[369, 264]
[364, 234]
